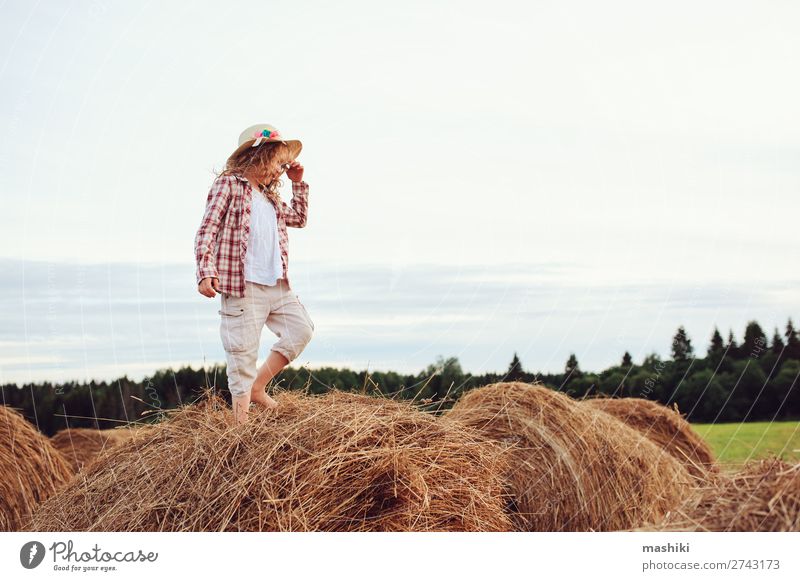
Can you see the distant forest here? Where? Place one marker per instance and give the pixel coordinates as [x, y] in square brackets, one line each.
[752, 381]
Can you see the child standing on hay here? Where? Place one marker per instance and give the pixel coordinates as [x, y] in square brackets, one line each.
[241, 249]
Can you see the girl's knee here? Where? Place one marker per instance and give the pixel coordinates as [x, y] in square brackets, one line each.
[292, 349]
[306, 334]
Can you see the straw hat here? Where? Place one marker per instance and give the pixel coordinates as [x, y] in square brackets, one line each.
[260, 133]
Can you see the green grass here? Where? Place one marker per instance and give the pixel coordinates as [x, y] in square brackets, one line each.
[733, 444]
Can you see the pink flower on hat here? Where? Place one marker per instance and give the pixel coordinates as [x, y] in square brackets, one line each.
[266, 133]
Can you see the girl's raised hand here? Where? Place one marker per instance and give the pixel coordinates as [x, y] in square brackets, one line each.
[295, 171]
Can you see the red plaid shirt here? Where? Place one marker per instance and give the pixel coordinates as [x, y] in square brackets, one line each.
[220, 244]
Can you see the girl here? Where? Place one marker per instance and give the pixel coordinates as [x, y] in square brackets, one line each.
[241, 249]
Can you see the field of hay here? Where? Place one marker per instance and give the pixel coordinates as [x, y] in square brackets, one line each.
[509, 456]
[735, 444]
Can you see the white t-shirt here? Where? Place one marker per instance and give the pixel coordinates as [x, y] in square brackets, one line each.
[262, 261]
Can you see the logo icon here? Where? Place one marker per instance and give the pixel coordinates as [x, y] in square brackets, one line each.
[31, 554]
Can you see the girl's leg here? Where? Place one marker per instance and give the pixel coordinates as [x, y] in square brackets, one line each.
[289, 320]
[242, 319]
[271, 367]
[240, 404]
[241, 371]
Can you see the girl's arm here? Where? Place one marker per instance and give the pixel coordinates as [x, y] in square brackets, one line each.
[297, 214]
[219, 197]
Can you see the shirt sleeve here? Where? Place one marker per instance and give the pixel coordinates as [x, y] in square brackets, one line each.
[296, 215]
[217, 203]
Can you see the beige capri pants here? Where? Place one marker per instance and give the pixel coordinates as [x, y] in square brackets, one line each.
[242, 320]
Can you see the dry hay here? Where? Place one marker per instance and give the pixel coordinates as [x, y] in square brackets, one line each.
[574, 468]
[764, 496]
[665, 427]
[31, 469]
[82, 445]
[338, 462]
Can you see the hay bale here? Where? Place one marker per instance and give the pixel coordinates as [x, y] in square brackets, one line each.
[574, 468]
[82, 445]
[31, 469]
[338, 462]
[665, 427]
[764, 496]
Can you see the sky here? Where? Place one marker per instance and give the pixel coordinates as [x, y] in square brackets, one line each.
[543, 178]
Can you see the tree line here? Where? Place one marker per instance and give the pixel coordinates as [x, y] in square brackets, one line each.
[748, 381]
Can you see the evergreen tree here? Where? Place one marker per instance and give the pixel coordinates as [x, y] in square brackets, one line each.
[777, 342]
[717, 346]
[792, 341]
[681, 345]
[627, 360]
[571, 369]
[732, 347]
[515, 372]
[755, 340]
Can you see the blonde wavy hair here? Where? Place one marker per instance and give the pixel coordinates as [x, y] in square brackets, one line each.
[264, 164]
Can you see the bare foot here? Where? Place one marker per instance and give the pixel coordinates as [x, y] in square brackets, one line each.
[263, 400]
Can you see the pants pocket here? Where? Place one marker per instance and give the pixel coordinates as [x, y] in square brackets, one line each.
[232, 328]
